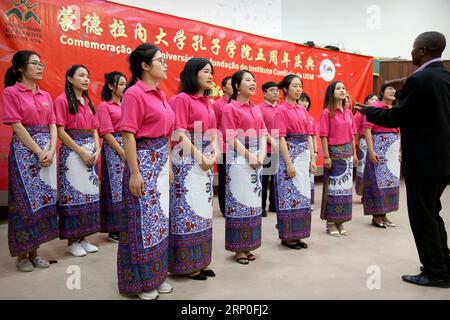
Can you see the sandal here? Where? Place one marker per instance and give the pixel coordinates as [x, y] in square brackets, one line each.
[302, 244]
[332, 229]
[242, 260]
[198, 276]
[208, 273]
[379, 225]
[341, 229]
[387, 222]
[295, 245]
[250, 256]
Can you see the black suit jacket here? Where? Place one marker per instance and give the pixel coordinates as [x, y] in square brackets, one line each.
[423, 114]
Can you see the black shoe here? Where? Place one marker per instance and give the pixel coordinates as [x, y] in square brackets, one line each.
[448, 270]
[302, 244]
[379, 225]
[423, 280]
[264, 213]
[272, 209]
[199, 276]
[113, 236]
[208, 273]
[295, 246]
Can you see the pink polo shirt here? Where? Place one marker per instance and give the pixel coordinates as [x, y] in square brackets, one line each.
[146, 113]
[340, 129]
[21, 105]
[243, 116]
[83, 120]
[374, 127]
[218, 109]
[292, 119]
[313, 124]
[192, 108]
[109, 114]
[268, 112]
[359, 123]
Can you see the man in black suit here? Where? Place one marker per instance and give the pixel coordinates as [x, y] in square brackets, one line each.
[423, 114]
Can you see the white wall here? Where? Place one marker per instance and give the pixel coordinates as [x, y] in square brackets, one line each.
[383, 28]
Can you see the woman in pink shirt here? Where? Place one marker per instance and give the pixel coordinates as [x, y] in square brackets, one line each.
[337, 130]
[221, 161]
[190, 243]
[292, 183]
[305, 100]
[382, 172]
[362, 145]
[246, 136]
[32, 195]
[78, 201]
[113, 155]
[271, 95]
[146, 125]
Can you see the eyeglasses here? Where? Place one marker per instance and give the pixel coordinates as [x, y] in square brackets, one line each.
[162, 60]
[37, 64]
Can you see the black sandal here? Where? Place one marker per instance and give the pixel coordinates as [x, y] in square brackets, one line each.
[292, 246]
[199, 276]
[243, 260]
[208, 273]
[302, 244]
[251, 257]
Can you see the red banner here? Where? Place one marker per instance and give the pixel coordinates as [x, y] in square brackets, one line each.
[100, 35]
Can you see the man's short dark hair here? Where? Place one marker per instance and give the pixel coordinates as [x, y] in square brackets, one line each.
[268, 85]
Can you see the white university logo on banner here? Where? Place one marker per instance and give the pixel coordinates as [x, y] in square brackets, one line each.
[327, 70]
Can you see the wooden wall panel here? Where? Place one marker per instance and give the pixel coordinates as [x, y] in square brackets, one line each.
[395, 69]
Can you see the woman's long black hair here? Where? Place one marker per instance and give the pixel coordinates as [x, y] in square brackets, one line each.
[111, 78]
[72, 100]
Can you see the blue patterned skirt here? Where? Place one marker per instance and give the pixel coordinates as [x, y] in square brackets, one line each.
[32, 195]
[111, 187]
[78, 201]
[191, 211]
[382, 181]
[293, 195]
[242, 201]
[338, 184]
[362, 155]
[144, 222]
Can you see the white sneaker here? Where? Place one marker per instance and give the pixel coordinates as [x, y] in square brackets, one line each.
[76, 250]
[165, 288]
[150, 295]
[89, 247]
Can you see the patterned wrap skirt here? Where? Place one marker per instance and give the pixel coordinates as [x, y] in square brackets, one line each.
[142, 258]
[293, 195]
[382, 181]
[338, 184]
[191, 211]
[32, 195]
[111, 187]
[78, 201]
[362, 155]
[243, 200]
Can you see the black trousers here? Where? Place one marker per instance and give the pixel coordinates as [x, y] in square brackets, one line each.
[268, 180]
[424, 205]
[221, 168]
